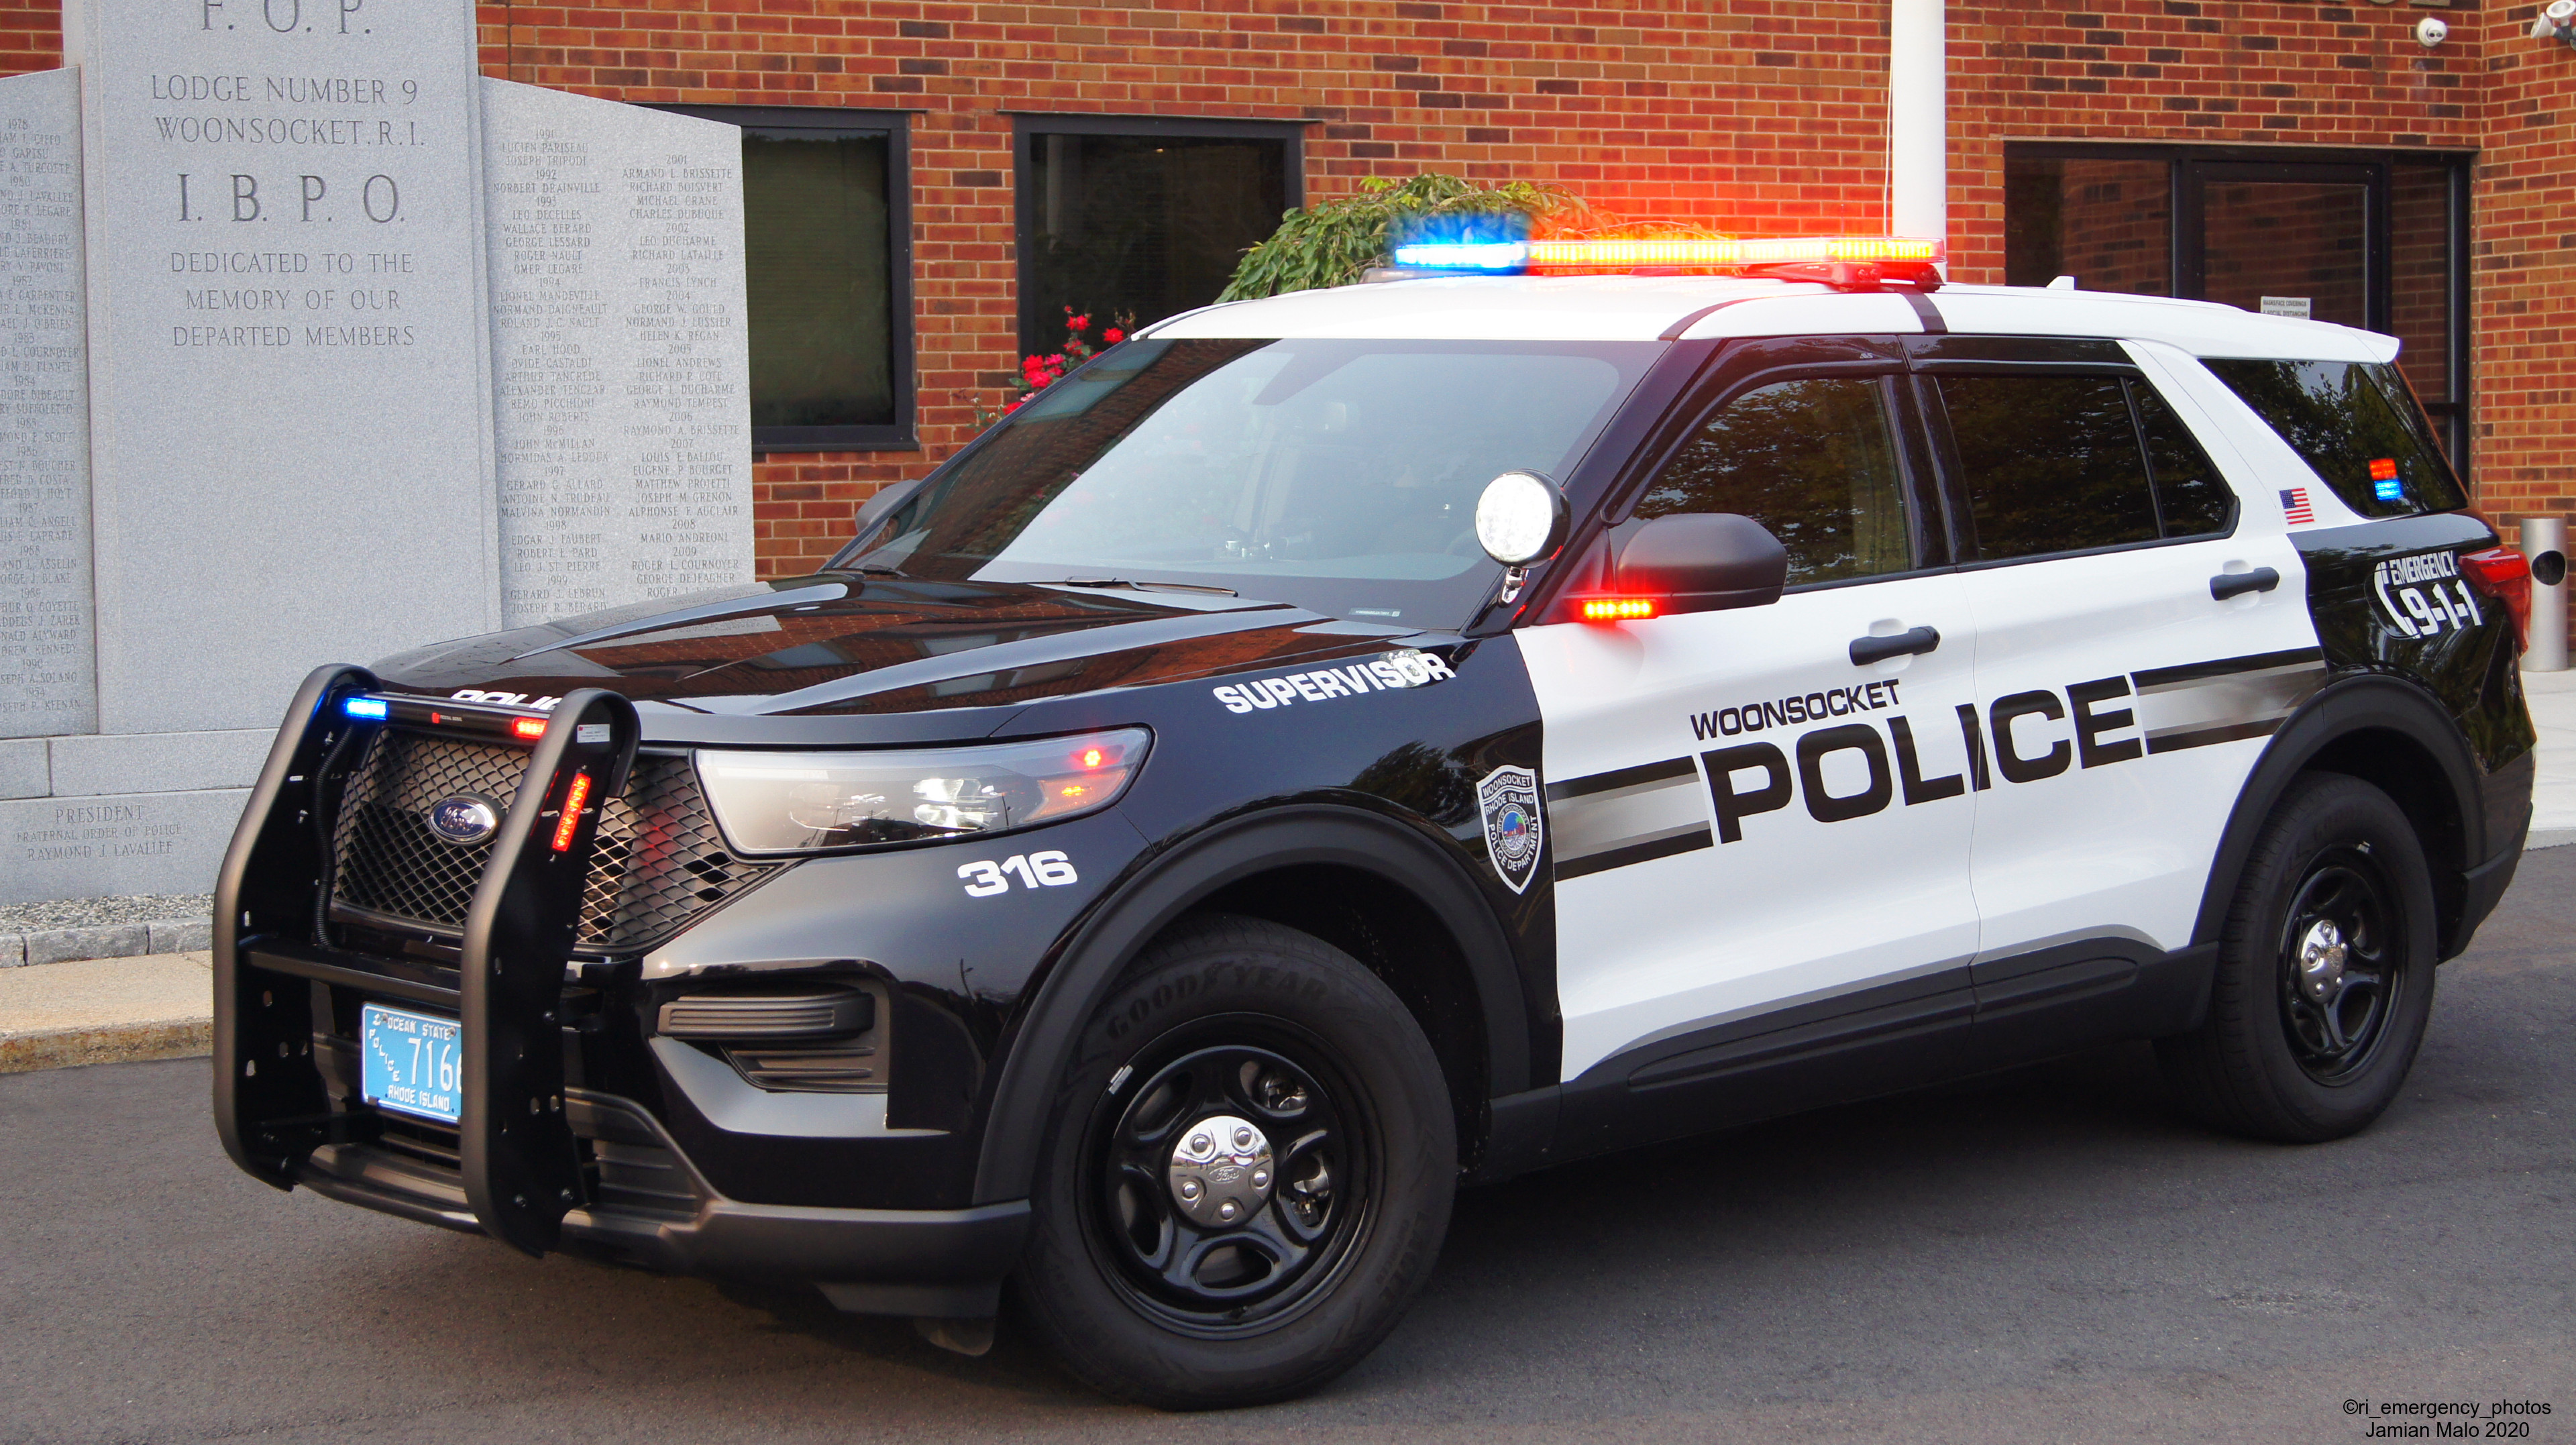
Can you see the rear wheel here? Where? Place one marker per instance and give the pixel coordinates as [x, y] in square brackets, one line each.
[2325, 972]
[1248, 1175]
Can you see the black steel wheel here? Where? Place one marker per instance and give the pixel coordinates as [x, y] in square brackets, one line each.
[2338, 969]
[1248, 1175]
[1229, 1184]
[2324, 980]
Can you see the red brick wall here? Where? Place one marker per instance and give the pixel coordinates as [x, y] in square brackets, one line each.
[1752, 114]
[31, 35]
[1767, 115]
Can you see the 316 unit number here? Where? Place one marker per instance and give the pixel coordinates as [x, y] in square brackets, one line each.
[1050, 869]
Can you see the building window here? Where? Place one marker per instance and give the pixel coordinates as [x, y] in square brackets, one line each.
[828, 275]
[1123, 216]
[2375, 239]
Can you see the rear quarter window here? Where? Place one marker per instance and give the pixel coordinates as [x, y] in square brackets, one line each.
[2357, 425]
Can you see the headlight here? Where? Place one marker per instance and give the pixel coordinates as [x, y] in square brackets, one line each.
[800, 802]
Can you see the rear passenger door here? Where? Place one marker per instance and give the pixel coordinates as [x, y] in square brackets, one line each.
[2124, 699]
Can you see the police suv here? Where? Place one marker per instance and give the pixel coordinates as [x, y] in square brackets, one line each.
[1335, 748]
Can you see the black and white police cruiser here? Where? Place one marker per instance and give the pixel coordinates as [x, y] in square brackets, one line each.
[1336, 748]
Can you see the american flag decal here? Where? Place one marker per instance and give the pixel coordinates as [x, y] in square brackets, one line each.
[2294, 506]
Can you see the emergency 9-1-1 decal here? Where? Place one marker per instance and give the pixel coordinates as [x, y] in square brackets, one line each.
[1508, 798]
[2424, 595]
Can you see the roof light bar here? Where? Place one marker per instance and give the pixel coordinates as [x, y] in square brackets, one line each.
[1597, 254]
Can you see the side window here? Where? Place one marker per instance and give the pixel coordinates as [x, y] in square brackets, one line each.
[1814, 460]
[2051, 463]
[2191, 498]
[2357, 425]
[827, 267]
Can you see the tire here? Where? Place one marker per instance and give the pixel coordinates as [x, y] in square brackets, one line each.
[2305, 1043]
[1152, 1297]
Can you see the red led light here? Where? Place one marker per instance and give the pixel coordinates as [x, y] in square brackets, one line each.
[530, 728]
[574, 797]
[1618, 609]
[1092, 756]
[2383, 469]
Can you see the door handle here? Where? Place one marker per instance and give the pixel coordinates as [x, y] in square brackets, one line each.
[1866, 650]
[2237, 584]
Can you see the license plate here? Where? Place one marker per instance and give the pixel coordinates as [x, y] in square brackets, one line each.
[414, 1063]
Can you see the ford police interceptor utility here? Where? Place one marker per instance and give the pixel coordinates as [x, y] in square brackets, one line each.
[1337, 747]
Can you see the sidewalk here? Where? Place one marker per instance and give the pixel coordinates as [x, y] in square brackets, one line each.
[106, 1011]
[161, 1006]
[2553, 792]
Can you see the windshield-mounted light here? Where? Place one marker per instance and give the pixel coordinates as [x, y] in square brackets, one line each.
[807, 802]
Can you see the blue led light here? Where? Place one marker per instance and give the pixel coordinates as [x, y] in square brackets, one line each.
[373, 707]
[1480, 242]
[1500, 256]
[2389, 489]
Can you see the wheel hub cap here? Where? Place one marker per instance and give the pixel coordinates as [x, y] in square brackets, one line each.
[2321, 960]
[1221, 1171]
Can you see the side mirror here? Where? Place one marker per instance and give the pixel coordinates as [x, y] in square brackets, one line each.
[1703, 562]
[1522, 519]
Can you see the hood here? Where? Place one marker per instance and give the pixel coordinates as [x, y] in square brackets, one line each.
[844, 643]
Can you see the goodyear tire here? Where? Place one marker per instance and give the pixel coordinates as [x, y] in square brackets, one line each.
[2325, 972]
[1248, 1174]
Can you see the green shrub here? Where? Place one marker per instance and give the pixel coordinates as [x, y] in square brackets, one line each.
[1333, 242]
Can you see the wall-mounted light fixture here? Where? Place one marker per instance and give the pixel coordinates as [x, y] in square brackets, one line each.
[2558, 22]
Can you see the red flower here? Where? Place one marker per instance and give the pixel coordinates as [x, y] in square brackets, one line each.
[1078, 323]
[1113, 336]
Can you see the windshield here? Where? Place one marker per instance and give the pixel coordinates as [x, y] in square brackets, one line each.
[1340, 476]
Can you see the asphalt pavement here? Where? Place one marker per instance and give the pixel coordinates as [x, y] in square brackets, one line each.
[2050, 1255]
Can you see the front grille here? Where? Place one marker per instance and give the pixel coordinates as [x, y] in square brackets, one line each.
[658, 863]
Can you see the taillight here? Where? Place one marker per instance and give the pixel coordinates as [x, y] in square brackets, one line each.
[2505, 575]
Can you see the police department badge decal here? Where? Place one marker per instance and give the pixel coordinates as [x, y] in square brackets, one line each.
[1508, 797]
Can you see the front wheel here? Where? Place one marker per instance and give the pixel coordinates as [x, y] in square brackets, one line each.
[1247, 1177]
[2325, 972]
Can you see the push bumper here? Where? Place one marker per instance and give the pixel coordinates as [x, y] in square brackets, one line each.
[536, 1161]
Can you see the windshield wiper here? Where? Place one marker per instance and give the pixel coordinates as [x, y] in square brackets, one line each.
[1139, 586]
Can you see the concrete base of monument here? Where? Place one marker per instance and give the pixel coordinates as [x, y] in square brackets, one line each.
[99, 816]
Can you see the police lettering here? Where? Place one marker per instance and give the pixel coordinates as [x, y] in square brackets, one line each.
[2035, 736]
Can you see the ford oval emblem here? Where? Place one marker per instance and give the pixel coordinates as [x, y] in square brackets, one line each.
[464, 819]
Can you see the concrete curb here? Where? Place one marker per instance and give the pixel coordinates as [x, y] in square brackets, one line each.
[118, 1043]
[107, 940]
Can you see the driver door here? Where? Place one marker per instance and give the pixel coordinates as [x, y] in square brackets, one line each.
[1761, 845]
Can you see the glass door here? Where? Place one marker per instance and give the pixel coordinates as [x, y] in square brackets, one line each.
[2287, 240]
